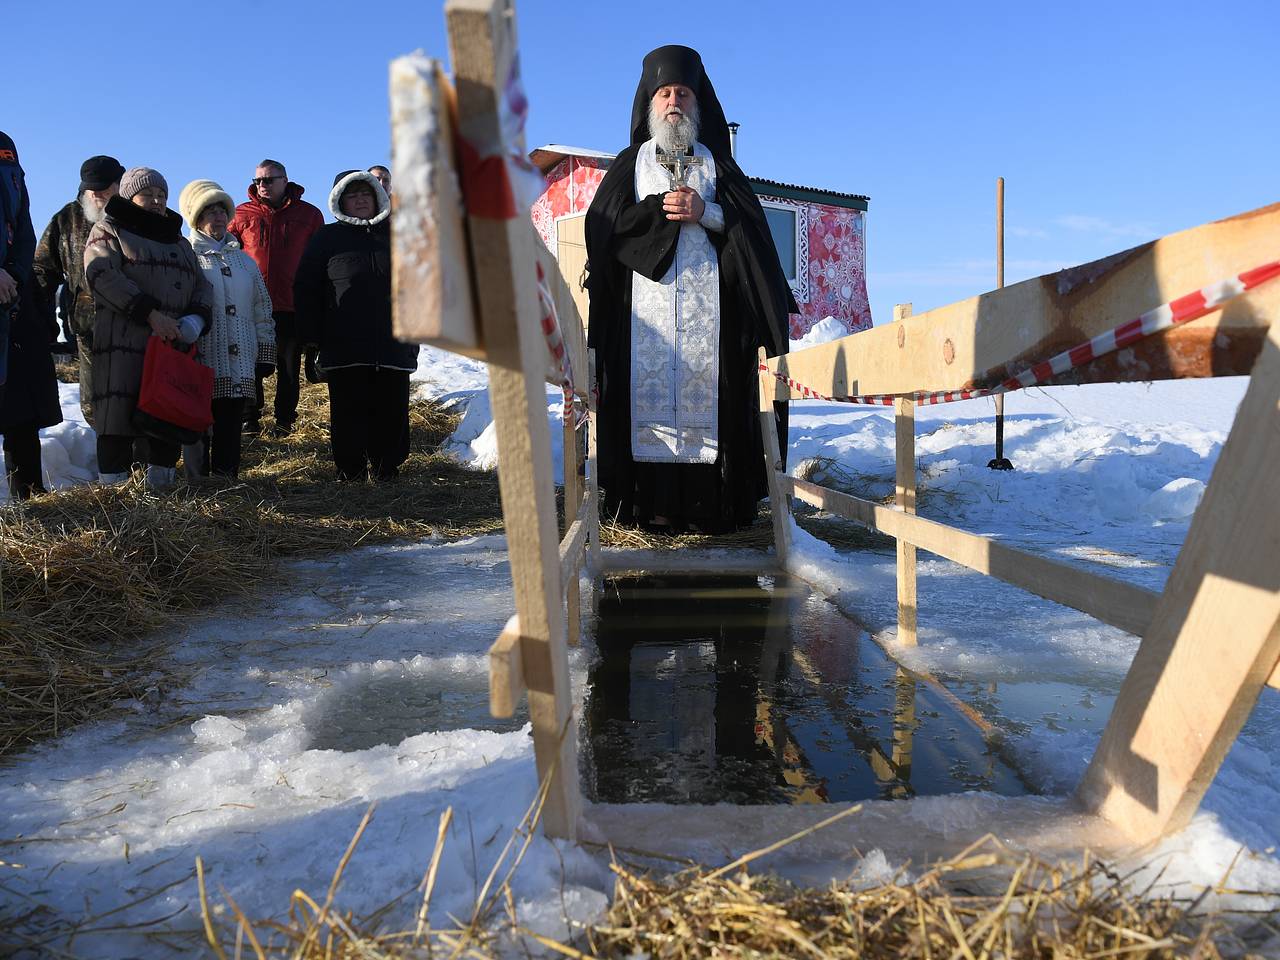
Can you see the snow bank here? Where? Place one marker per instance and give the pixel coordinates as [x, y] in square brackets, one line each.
[1104, 492]
[305, 713]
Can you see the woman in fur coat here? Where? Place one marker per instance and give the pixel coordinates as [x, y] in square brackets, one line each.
[241, 341]
[145, 279]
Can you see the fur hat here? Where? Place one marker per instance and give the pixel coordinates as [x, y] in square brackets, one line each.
[100, 172]
[199, 194]
[138, 179]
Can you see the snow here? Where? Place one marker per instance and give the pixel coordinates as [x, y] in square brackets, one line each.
[68, 451]
[361, 678]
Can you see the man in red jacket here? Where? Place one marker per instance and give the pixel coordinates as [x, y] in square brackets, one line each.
[273, 228]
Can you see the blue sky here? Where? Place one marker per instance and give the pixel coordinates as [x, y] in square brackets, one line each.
[1113, 123]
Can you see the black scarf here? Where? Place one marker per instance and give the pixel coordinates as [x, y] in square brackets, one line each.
[162, 227]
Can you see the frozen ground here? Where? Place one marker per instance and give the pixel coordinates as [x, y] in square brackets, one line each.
[264, 762]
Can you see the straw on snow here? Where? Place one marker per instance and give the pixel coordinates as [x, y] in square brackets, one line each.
[87, 573]
[986, 902]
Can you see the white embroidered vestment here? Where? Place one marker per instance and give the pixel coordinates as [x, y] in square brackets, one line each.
[675, 331]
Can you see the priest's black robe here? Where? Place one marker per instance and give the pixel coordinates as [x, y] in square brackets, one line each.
[625, 235]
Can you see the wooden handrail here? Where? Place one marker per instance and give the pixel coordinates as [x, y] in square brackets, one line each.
[574, 544]
[506, 670]
[982, 340]
[1120, 604]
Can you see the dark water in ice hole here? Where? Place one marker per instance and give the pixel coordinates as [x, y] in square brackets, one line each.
[731, 689]
[744, 690]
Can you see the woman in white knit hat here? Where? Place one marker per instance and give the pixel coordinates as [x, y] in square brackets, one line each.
[241, 338]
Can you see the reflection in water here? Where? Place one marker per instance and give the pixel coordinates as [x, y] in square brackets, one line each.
[741, 689]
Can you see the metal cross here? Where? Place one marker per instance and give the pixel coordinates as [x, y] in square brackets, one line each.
[678, 163]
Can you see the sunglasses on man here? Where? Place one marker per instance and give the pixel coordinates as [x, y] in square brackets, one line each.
[263, 181]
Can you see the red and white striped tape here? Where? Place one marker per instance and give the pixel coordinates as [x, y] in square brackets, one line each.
[1176, 312]
[555, 343]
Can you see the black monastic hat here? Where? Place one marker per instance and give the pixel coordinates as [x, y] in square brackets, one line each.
[677, 64]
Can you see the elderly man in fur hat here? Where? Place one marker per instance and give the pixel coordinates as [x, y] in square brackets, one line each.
[685, 286]
[59, 265]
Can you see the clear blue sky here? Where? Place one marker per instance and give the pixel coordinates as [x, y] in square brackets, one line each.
[1112, 123]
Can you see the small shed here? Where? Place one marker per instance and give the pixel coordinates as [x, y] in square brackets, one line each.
[820, 235]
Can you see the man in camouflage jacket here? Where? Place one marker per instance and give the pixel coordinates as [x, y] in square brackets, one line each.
[59, 263]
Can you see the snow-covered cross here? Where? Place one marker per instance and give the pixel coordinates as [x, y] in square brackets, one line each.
[466, 267]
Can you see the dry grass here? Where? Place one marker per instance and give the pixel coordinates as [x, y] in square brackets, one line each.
[87, 573]
[1027, 908]
[66, 367]
[987, 902]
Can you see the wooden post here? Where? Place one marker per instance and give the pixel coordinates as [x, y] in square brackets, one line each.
[772, 389]
[1214, 640]
[904, 497]
[504, 258]
[572, 503]
[593, 479]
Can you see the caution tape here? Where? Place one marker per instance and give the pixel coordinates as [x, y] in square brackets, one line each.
[1174, 313]
[559, 353]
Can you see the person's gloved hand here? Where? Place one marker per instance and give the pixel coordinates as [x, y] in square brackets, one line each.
[190, 327]
[264, 370]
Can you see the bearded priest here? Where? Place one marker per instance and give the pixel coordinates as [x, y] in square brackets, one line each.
[685, 286]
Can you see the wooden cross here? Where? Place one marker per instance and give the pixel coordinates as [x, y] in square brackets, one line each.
[468, 283]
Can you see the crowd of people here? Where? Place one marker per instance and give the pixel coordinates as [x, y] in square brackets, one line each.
[259, 289]
[684, 281]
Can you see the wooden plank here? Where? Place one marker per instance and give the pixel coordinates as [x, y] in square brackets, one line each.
[779, 505]
[570, 320]
[572, 452]
[904, 426]
[1128, 607]
[676, 561]
[1214, 640]
[984, 339]
[573, 504]
[432, 299]
[504, 258]
[506, 671]
[593, 480]
[571, 254]
[574, 545]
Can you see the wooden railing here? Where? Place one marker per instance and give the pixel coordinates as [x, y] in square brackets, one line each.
[467, 281]
[1211, 640]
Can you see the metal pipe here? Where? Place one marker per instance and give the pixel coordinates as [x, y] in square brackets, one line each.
[733, 140]
[999, 461]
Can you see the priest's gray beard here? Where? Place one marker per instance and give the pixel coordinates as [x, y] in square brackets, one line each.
[666, 134]
[92, 209]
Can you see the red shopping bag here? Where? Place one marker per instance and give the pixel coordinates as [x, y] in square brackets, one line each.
[176, 398]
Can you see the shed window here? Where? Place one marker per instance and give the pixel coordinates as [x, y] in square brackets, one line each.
[783, 225]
